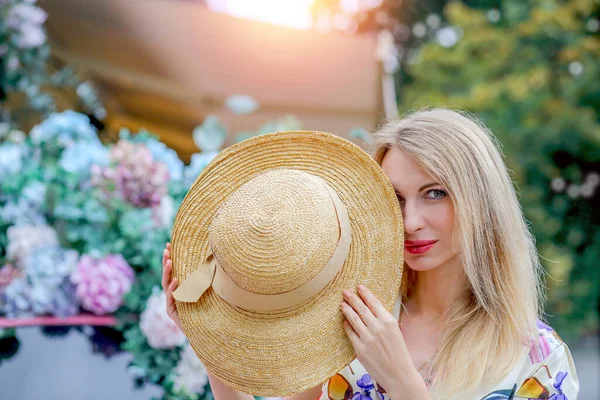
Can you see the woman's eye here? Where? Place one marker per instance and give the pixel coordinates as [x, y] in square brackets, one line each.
[437, 193]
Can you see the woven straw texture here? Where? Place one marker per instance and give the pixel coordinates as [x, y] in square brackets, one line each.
[288, 351]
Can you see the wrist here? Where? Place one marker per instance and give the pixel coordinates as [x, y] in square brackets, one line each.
[411, 386]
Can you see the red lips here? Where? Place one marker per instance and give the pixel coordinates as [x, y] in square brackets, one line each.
[418, 246]
[413, 243]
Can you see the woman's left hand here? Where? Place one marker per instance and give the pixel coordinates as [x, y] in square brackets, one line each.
[379, 345]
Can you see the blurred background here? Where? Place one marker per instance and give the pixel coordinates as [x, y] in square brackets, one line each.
[111, 108]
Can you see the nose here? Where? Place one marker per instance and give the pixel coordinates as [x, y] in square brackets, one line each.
[412, 216]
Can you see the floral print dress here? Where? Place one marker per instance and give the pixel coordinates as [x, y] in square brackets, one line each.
[546, 372]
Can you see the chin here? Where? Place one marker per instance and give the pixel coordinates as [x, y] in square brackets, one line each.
[422, 266]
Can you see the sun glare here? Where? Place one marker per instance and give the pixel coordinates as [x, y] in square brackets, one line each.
[292, 13]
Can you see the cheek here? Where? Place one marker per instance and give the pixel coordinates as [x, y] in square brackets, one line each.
[442, 218]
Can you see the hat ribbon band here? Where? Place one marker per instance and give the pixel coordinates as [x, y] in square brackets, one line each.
[211, 274]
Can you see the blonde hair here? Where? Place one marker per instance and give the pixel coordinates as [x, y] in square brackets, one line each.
[484, 332]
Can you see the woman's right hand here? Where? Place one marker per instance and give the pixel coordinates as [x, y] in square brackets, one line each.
[169, 285]
[219, 389]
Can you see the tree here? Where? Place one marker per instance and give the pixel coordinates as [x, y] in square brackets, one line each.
[529, 70]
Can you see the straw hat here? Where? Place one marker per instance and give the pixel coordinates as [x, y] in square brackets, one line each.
[268, 237]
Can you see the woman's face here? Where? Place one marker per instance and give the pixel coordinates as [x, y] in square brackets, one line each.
[427, 212]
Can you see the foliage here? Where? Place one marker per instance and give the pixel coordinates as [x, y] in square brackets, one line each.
[529, 70]
[29, 77]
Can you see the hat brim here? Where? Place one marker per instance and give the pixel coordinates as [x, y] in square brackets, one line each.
[292, 350]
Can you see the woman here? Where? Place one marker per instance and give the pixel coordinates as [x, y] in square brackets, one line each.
[471, 291]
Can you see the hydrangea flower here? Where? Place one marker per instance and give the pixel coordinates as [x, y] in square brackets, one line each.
[160, 331]
[8, 272]
[27, 21]
[81, 156]
[197, 164]
[134, 175]
[25, 240]
[241, 104]
[66, 128]
[43, 286]
[11, 159]
[21, 213]
[163, 214]
[167, 156]
[190, 373]
[102, 282]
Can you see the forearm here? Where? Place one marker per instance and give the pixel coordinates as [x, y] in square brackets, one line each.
[221, 391]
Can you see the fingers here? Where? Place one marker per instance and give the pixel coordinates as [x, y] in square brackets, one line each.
[354, 319]
[170, 300]
[352, 335]
[372, 301]
[360, 308]
[167, 267]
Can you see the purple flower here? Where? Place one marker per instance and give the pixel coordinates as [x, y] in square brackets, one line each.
[102, 283]
[133, 175]
[560, 377]
[543, 326]
[43, 286]
[365, 382]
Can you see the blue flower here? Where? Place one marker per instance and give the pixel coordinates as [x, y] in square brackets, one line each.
[11, 157]
[65, 128]
[45, 287]
[169, 157]
[79, 157]
[197, 164]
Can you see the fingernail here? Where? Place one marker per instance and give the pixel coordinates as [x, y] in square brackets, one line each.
[346, 293]
[361, 287]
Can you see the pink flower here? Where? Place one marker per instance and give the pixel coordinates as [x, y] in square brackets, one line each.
[134, 174]
[7, 273]
[102, 283]
[160, 331]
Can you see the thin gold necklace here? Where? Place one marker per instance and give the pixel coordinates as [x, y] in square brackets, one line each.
[426, 379]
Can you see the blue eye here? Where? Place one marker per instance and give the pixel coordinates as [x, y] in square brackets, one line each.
[438, 193]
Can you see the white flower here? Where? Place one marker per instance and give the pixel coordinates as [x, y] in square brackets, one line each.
[25, 13]
[22, 240]
[419, 29]
[190, 373]
[31, 36]
[575, 68]
[447, 37]
[493, 15]
[160, 331]
[210, 136]
[241, 104]
[163, 213]
[433, 20]
[27, 20]
[558, 184]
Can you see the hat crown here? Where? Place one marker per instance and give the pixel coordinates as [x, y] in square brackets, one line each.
[276, 232]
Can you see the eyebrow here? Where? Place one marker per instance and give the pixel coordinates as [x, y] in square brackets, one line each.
[428, 185]
[423, 187]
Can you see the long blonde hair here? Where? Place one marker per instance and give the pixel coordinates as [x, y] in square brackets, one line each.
[484, 333]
